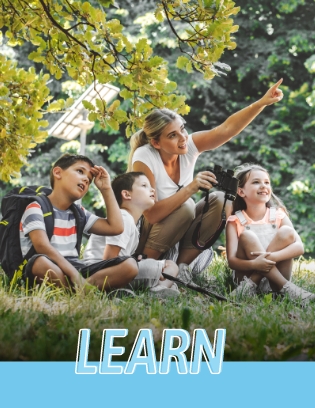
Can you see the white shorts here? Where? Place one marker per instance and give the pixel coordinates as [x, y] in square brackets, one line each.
[150, 271]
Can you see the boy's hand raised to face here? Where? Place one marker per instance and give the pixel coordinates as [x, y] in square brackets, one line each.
[102, 178]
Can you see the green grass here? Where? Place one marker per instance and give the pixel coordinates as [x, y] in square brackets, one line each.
[43, 324]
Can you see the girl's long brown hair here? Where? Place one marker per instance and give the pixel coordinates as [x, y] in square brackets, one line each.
[242, 174]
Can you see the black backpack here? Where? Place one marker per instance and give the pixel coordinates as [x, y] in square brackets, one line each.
[12, 207]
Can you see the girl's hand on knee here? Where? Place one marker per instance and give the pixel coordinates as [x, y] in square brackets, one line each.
[270, 255]
[261, 263]
[257, 253]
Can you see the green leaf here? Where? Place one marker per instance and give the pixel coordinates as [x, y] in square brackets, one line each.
[170, 87]
[92, 116]
[182, 62]
[4, 91]
[113, 123]
[142, 44]
[88, 105]
[36, 56]
[126, 94]
[159, 16]
[189, 67]
[110, 58]
[55, 106]
[156, 61]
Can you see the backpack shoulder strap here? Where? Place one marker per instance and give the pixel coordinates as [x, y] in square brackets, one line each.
[79, 216]
[41, 197]
[48, 213]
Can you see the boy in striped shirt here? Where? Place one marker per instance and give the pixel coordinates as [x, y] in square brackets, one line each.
[58, 259]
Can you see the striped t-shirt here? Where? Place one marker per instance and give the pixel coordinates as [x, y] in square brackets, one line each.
[64, 237]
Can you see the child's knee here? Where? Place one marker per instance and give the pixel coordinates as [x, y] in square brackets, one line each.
[45, 268]
[170, 268]
[42, 264]
[130, 268]
[247, 236]
[286, 234]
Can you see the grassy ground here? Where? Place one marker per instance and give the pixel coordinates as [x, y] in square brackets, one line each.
[43, 325]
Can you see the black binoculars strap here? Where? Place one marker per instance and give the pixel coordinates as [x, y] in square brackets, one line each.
[215, 236]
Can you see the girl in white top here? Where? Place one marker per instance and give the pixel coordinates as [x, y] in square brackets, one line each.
[166, 154]
[260, 238]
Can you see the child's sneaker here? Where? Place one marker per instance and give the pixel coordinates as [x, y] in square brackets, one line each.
[162, 291]
[247, 288]
[295, 293]
[264, 287]
[184, 273]
[120, 293]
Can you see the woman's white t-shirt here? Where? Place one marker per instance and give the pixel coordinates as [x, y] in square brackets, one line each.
[165, 186]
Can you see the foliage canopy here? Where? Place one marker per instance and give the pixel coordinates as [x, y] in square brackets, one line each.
[77, 39]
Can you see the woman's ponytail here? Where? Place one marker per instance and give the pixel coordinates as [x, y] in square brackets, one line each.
[138, 139]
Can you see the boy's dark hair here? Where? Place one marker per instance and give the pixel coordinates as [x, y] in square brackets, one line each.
[67, 160]
[124, 182]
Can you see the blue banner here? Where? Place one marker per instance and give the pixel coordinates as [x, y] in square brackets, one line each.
[56, 385]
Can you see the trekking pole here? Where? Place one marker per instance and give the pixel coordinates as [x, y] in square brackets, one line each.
[199, 289]
[195, 287]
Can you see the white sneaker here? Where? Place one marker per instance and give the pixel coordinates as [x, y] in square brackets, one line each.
[247, 288]
[264, 287]
[162, 291]
[120, 293]
[295, 293]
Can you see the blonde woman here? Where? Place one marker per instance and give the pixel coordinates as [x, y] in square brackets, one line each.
[166, 154]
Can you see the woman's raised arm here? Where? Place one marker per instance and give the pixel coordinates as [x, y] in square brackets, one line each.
[234, 124]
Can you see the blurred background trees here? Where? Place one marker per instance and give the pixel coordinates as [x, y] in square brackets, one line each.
[276, 39]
